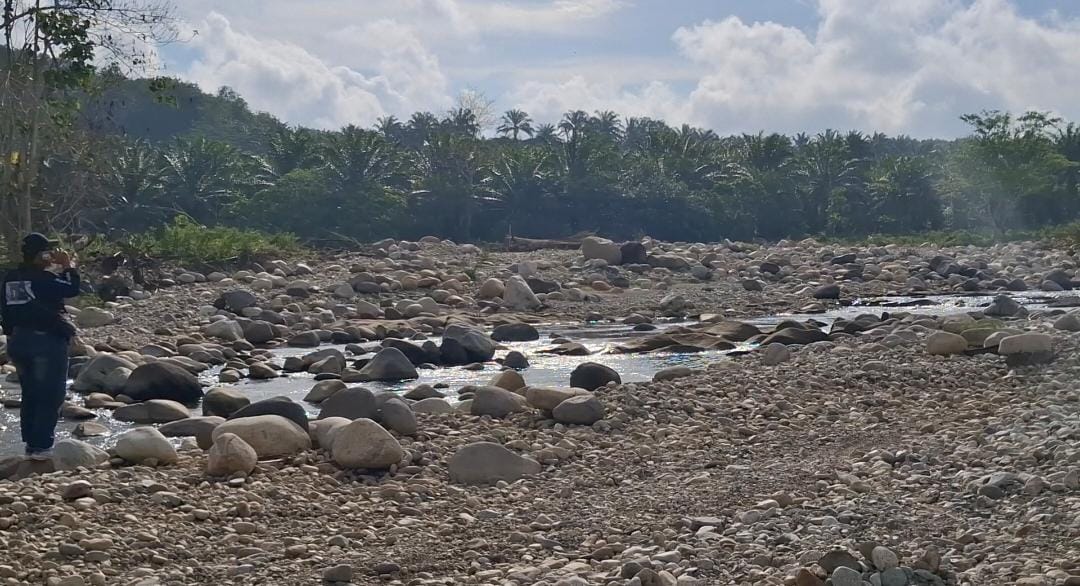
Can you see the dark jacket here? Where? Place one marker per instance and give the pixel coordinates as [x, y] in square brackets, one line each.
[33, 298]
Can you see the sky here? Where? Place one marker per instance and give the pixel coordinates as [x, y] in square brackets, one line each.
[896, 66]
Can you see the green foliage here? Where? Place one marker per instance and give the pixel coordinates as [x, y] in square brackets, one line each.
[165, 149]
[187, 242]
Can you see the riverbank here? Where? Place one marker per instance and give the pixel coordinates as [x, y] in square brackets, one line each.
[753, 469]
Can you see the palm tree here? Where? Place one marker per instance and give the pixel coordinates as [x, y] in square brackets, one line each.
[448, 180]
[390, 128]
[133, 178]
[546, 134]
[420, 128]
[515, 122]
[292, 148]
[520, 183]
[573, 125]
[607, 124]
[826, 168]
[359, 160]
[1067, 144]
[203, 178]
[463, 121]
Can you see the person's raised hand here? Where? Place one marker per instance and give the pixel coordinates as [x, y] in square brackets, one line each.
[63, 259]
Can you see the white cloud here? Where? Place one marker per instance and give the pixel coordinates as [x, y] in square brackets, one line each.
[558, 17]
[547, 102]
[911, 66]
[896, 66]
[288, 81]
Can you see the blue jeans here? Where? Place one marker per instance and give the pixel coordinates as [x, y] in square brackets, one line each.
[41, 360]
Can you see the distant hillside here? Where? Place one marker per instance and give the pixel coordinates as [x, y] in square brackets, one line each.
[160, 109]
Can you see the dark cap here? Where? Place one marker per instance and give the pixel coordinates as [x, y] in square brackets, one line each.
[37, 243]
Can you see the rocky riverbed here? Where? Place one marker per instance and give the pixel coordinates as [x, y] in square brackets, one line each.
[829, 446]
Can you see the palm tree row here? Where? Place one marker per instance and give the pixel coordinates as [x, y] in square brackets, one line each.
[620, 177]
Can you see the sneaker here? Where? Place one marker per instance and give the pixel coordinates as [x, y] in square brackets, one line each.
[39, 455]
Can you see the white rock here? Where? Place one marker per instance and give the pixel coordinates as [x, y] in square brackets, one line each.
[488, 463]
[271, 436]
[517, 295]
[144, 443]
[365, 444]
[230, 454]
[601, 248]
[93, 317]
[945, 343]
[69, 454]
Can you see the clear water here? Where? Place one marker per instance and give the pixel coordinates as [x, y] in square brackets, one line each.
[544, 369]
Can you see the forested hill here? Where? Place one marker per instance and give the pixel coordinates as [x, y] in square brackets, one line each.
[161, 109]
[149, 150]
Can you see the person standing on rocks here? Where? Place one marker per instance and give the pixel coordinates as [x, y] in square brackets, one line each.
[33, 316]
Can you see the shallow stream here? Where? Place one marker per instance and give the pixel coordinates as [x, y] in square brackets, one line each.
[544, 369]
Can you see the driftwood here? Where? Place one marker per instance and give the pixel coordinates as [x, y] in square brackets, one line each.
[519, 244]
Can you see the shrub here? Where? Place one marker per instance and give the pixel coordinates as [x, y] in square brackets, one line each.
[187, 242]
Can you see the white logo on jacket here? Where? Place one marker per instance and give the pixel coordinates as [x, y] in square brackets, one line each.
[18, 293]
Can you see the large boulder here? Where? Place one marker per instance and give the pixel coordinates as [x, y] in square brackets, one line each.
[229, 455]
[601, 248]
[775, 353]
[421, 392]
[94, 317]
[477, 345]
[224, 401]
[352, 403]
[546, 398]
[322, 432]
[1060, 278]
[518, 332]
[305, 340]
[452, 353]
[225, 329]
[1003, 306]
[496, 402]
[510, 380]
[416, 354]
[365, 444]
[432, 405]
[390, 364]
[323, 390]
[271, 436]
[1070, 322]
[163, 380]
[515, 360]
[259, 331]
[1027, 349]
[237, 300]
[633, 253]
[519, 296]
[591, 376]
[281, 406]
[488, 463]
[491, 289]
[792, 335]
[945, 343]
[396, 416]
[94, 375]
[828, 291]
[579, 410]
[69, 454]
[152, 411]
[200, 428]
[145, 443]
